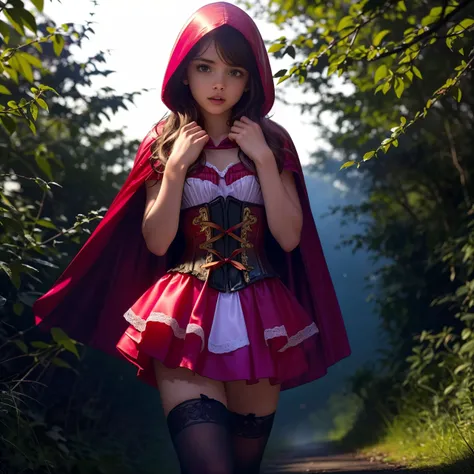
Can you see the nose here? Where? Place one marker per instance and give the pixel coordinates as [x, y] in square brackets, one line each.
[219, 81]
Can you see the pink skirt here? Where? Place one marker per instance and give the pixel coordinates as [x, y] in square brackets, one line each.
[172, 322]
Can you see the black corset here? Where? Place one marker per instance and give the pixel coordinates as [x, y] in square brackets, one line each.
[223, 243]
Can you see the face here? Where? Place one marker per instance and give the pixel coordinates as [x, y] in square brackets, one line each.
[215, 85]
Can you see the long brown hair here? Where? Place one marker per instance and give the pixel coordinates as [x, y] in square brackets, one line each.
[234, 50]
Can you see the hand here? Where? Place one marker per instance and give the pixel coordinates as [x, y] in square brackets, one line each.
[249, 136]
[188, 146]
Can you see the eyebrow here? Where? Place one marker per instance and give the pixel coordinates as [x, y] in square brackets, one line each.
[210, 61]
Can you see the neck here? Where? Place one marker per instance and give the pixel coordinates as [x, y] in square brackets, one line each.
[216, 126]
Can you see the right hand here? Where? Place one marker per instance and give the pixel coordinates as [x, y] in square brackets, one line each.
[188, 146]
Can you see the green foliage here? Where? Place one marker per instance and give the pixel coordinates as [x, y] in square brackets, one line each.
[398, 63]
[59, 168]
[377, 46]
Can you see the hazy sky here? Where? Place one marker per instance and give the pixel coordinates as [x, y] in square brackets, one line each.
[140, 35]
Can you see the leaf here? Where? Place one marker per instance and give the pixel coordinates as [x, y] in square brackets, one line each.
[5, 31]
[21, 345]
[28, 20]
[42, 104]
[461, 367]
[32, 126]
[386, 87]
[346, 22]
[34, 110]
[45, 223]
[61, 363]
[4, 90]
[14, 17]
[466, 23]
[280, 73]
[44, 166]
[18, 307]
[282, 79]
[401, 6]
[468, 347]
[276, 47]
[61, 338]
[347, 164]
[417, 72]
[379, 37]
[8, 123]
[459, 95]
[40, 345]
[380, 73]
[39, 4]
[369, 155]
[25, 68]
[291, 51]
[399, 87]
[449, 389]
[48, 88]
[33, 60]
[6, 269]
[58, 44]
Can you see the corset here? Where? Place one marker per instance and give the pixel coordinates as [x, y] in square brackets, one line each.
[223, 244]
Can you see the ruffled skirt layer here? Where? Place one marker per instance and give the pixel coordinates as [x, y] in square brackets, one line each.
[258, 332]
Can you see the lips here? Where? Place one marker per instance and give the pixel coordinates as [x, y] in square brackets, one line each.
[217, 100]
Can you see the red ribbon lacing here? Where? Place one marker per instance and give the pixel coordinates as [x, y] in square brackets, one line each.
[223, 260]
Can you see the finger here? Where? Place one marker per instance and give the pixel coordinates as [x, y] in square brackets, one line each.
[239, 126]
[190, 125]
[236, 130]
[246, 120]
[203, 140]
[197, 133]
[233, 136]
[191, 128]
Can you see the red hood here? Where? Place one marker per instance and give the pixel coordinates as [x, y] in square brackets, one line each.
[207, 19]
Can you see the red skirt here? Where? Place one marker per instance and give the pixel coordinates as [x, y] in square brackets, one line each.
[172, 322]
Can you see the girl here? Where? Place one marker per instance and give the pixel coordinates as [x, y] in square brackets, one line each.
[207, 272]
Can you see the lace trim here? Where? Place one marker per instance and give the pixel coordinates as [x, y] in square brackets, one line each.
[224, 171]
[300, 336]
[228, 346]
[140, 325]
[277, 331]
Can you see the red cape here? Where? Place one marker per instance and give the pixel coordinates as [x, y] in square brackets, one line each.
[114, 267]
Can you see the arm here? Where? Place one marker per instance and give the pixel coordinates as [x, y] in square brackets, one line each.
[161, 218]
[163, 204]
[282, 204]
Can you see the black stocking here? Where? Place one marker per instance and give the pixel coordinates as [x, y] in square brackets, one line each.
[199, 429]
[250, 435]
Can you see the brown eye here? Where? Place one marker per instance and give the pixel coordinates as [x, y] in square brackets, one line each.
[203, 68]
[236, 73]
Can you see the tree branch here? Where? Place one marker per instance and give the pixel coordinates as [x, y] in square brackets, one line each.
[443, 20]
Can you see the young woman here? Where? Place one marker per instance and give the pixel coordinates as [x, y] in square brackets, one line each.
[207, 272]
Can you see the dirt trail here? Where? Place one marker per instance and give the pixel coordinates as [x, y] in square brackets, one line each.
[324, 458]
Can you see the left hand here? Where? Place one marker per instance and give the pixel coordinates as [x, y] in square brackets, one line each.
[249, 136]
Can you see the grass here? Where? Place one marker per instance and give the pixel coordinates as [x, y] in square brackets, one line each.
[414, 438]
[432, 442]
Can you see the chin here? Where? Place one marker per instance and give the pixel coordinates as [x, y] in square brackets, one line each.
[216, 111]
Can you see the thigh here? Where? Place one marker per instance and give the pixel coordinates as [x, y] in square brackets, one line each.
[260, 398]
[180, 384]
